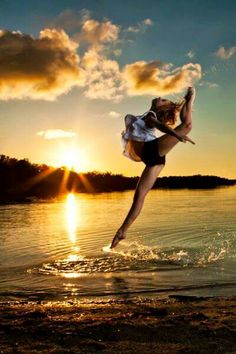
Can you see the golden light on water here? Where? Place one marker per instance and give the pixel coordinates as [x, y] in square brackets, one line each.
[72, 216]
[71, 275]
[73, 258]
[72, 222]
[107, 249]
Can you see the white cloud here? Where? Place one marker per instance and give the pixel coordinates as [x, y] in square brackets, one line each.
[114, 114]
[208, 84]
[225, 54]
[133, 29]
[104, 80]
[190, 54]
[140, 26]
[56, 134]
[213, 68]
[117, 52]
[148, 22]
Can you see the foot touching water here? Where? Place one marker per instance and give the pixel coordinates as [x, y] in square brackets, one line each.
[120, 235]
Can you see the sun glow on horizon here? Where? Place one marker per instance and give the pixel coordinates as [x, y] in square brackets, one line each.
[72, 158]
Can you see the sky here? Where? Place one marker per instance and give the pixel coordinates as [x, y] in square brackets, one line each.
[71, 70]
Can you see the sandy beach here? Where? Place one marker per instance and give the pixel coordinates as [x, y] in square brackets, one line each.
[177, 324]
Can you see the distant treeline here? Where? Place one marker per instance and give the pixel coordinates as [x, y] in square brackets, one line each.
[21, 180]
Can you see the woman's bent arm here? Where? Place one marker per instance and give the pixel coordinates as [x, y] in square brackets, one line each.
[154, 122]
[166, 129]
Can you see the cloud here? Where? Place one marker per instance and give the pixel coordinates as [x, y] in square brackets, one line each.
[48, 66]
[225, 54]
[117, 52]
[90, 59]
[158, 78]
[102, 75]
[140, 27]
[67, 19]
[56, 134]
[38, 68]
[97, 33]
[148, 22]
[114, 114]
[70, 20]
[105, 115]
[208, 84]
[103, 80]
[190, 54]
[213, 68]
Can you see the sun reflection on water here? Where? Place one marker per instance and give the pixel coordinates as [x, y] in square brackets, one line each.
[71, 275]
[72, 215]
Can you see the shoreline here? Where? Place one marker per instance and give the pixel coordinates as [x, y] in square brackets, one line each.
[174, 324]
[36, 200]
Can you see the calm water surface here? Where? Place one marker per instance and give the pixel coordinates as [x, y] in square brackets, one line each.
[182, 242]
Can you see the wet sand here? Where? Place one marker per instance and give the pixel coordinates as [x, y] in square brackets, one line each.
[177, 324]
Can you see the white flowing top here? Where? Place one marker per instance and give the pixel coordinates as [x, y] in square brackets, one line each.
[136, 129]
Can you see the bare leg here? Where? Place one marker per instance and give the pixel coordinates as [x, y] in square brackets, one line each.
[145, 183]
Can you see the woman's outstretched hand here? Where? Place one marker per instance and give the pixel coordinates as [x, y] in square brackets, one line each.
[184, 138]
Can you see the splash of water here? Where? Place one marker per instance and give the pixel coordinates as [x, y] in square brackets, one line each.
[139, 257]
[123, 262]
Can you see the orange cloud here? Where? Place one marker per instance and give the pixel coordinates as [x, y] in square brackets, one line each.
[90, 58]
[99, 32]
[99, 35]
[38, 68]
[156, 77]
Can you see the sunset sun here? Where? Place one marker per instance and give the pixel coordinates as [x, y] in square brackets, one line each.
[72, 158]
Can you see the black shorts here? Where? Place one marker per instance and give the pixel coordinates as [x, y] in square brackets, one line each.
[150, 153]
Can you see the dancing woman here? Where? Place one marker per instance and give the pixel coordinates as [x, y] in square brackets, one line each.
[141, 144]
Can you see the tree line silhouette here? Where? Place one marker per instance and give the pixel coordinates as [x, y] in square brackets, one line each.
[21, 180]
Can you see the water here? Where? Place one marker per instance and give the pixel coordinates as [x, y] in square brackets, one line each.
[182, 242]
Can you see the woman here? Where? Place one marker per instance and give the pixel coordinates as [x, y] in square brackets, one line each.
[141, 144]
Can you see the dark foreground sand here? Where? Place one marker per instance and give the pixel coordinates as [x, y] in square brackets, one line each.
[174, 325]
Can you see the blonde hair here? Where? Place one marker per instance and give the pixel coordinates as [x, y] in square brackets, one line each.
[168, 113]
